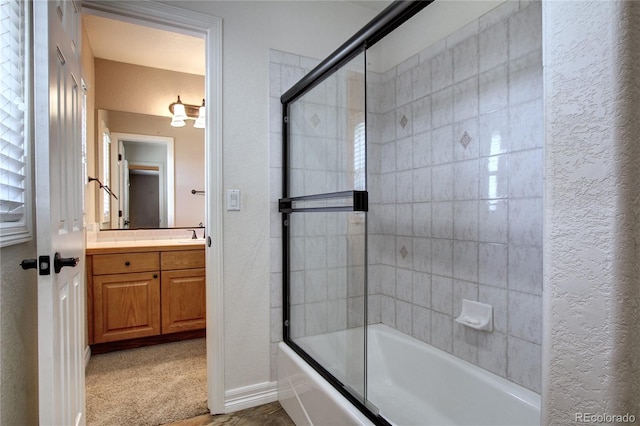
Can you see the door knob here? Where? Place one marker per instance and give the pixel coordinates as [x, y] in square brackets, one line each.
[59, 262]
[29, 264]
[42, 264]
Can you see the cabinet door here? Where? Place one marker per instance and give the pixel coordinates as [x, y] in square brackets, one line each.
[183, 300]
[126, 306]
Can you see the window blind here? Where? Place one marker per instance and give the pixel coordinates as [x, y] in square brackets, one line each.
[14, 215]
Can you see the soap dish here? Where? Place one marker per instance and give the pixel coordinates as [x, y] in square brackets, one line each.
[476, 315]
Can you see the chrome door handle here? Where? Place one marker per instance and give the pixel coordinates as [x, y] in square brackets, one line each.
[60, 262]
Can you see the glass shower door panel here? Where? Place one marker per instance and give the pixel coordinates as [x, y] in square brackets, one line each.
[327, 134]
[324, 206]
[326, 292]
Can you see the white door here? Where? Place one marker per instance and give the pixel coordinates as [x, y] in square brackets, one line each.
[59, 224]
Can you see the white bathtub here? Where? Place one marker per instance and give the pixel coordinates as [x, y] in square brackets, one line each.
[410, 382]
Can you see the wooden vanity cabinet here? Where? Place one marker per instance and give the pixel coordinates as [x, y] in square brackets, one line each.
[145, 292]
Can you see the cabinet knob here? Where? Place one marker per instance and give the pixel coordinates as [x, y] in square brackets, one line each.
[155, 275]
[127, 263]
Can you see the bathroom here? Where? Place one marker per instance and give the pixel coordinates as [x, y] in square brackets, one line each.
[585, 279]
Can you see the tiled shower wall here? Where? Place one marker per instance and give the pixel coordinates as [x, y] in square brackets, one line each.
[448, 221]
[455, 180]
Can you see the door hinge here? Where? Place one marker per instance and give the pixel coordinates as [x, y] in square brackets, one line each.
[119, 213]
[119, 157]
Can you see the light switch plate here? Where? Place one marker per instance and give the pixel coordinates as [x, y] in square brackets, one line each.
[233, 199]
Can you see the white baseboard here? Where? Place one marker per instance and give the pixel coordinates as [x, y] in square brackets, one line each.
[250, 396]
[87, 356]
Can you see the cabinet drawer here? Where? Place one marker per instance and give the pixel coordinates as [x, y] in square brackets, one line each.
[125, 263]
[184, 259]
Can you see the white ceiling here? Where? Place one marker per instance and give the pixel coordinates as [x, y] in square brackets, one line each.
[140, 45]
[375, 5]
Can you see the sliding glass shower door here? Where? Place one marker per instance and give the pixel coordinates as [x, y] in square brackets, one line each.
[324, 227]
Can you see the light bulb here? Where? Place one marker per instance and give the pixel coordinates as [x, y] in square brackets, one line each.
[176, 122]
[201, 120]
[179, 112]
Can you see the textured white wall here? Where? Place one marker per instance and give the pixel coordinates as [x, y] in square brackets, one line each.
[250, 29]
[18, 336]
[592, 165]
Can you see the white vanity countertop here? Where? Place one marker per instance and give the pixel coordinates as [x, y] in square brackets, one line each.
[178, 243]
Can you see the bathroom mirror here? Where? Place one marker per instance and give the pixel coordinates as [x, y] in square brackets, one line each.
[156, 171]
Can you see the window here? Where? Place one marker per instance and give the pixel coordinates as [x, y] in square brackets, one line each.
[15, 172]
[106, 175]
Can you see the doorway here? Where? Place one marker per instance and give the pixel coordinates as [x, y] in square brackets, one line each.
[210, 28]
[143, 162]
[144, 194]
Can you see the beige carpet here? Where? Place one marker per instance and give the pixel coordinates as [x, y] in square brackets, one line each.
[153, 385]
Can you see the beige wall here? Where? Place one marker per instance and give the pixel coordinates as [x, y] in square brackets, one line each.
[132, 88]
[125, 88]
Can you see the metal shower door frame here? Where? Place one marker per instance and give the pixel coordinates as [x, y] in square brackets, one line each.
[384, 23]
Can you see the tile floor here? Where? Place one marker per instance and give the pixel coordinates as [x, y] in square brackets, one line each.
[264, 415]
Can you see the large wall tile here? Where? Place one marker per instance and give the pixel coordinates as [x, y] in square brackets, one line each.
[493, 47]
[525, 316]
[493, 264]
[442, 70]
[525, 362]
[465, 59]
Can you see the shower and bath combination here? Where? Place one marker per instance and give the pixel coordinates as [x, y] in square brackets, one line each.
[412, 187]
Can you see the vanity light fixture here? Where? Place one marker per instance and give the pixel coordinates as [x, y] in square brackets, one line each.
[181, 112]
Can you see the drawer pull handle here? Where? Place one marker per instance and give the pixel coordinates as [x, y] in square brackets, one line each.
[155, 275]
[127, 263]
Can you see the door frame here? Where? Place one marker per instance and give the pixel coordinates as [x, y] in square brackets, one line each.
[209, 27]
